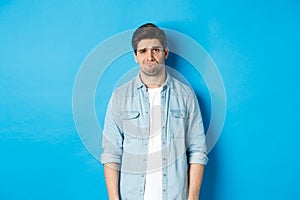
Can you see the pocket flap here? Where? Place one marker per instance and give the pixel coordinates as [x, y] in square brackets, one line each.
[129, 114]
[179, 113]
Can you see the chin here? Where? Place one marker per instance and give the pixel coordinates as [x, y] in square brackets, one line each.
[150, 73]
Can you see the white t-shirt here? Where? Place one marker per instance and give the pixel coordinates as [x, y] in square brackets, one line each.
[153, 186]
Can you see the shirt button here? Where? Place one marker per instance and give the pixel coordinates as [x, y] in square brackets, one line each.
[165, 174]
[164, 190]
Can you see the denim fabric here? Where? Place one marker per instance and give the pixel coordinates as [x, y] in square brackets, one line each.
[126, 132]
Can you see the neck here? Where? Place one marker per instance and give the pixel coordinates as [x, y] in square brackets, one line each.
[153, 81]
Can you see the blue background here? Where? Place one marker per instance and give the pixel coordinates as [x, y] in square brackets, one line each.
[255, 45]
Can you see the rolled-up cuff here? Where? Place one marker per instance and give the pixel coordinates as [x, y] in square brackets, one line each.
[198, 159]
[110, 158]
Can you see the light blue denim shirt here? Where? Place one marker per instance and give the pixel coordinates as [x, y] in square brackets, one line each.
[126, 134]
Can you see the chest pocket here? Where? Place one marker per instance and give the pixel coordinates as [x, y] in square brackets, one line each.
[131, 128]
[130, 123]
[178, 121]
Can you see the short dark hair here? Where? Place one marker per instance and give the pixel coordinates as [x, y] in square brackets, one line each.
[148, 31]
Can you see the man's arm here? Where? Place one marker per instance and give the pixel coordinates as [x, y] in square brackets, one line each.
[111, 173]
[196, 150]
[112, 143]
[195, 180]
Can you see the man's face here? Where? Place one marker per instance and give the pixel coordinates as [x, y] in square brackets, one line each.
[151, 57]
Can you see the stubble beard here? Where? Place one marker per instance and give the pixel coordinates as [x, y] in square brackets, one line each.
[153, 71]
[153, 77]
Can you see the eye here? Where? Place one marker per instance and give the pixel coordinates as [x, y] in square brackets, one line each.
[141, 51]
[156, 50]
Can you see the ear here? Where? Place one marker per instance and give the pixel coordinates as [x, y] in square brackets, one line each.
[166, 53]
[135, 57]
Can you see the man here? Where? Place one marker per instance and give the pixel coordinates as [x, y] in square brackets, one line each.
[153, 139]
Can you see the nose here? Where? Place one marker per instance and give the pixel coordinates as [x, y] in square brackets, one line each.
[149, 54]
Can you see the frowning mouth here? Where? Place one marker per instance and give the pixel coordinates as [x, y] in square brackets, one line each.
[150, 63]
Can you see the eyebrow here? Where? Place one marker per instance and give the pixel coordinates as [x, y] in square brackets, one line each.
[151, 47]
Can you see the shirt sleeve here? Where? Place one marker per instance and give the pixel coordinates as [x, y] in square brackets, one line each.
[196, 145]
[112, 141]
